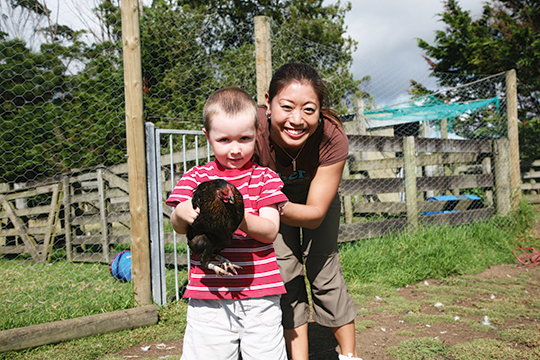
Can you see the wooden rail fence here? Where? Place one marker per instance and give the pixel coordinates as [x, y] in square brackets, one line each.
[389, 184]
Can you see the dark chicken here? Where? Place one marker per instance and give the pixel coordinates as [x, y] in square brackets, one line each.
[221, 212]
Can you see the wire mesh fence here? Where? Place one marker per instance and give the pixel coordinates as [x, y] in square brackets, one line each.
[63, 173]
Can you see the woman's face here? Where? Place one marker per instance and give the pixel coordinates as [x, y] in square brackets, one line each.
[295, 112]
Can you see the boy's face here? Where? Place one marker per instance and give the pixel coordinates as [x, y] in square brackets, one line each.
[232, 138]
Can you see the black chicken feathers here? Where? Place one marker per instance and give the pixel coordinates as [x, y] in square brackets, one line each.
[221, 212]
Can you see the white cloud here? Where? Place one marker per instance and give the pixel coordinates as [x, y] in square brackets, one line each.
[386, 31]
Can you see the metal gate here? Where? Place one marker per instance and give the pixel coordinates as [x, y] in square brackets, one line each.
[169, 154]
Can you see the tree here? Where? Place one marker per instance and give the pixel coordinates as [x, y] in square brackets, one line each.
[73, 117]
[506, 36]
[223, 55]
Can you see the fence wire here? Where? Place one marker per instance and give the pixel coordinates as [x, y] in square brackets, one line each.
[63, 171]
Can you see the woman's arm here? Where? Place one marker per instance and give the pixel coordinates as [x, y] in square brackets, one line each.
[322, 191]
[264, 227]
[183, 216]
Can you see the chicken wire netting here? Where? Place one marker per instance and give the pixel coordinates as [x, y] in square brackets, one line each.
[64, 189]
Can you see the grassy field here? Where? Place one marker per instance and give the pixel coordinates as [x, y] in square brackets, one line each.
[371, 267]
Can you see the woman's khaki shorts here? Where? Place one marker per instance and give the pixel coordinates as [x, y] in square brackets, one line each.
[332, 304]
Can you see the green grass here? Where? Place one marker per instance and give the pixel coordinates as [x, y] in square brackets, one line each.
[38, 293]
[436, 251]
[375, 270]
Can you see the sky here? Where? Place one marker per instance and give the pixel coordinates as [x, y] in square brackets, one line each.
[386, 31]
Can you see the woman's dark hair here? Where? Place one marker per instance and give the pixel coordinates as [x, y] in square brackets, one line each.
[302, 73]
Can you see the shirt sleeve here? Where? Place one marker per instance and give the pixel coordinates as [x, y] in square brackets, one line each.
[335, 145]
[183, 190]
[271, 193]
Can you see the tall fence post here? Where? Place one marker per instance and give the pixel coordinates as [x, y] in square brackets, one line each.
[502, 176]
[409, 160]
[263, 50]
[138, 201]
[513, 136]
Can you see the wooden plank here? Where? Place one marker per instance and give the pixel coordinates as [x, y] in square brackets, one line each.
[58, 331]
[381, 164]
[23, 194]
[421, 160]
[409, 148]
[86, 220]
[116, 199]
[502, 176]
[531, 175]
[29, 230]
[169, 238]
[513, 136]
[533, 199]
[22, 230]
[68, 214]
[372, 229]
[452, 146]
[530, 186]
[371, 186]
[29, 212]
[180, 258]
[454, 182]
[400, 207]
[116, 181]
[82, 177]
[103, 215]
[459, 218]
[379, 207]
[445, 158]
[86, 197]
[89, 257]
[374, 143]
[51, 221]
[119, 239]
[86, 240]
[18, 249]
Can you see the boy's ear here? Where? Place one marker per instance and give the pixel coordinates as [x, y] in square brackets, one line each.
[205, 132]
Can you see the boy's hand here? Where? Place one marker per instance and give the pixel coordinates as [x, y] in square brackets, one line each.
[183, 216]
[185, 211]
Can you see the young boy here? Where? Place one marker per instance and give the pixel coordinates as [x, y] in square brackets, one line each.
[240, 312]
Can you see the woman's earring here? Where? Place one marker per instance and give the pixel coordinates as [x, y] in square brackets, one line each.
[268, 116]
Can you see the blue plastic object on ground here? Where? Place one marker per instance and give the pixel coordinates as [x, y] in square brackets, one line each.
[121, 266]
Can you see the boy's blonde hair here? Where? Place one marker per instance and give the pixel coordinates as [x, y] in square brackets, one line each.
[229, 101]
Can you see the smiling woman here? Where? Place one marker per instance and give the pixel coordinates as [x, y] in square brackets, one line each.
[307, 146]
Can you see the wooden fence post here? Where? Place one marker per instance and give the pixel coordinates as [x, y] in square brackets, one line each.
[513, 136]
[409, 160]
[263, 50]
[138, 200]
[360, 117]
[501, 154]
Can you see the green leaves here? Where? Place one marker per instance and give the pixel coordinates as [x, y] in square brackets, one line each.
[506, 36]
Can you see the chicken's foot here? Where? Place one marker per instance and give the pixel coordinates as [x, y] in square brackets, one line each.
[225, 267]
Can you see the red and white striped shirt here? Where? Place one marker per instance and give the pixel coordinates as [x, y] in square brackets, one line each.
[259, 275]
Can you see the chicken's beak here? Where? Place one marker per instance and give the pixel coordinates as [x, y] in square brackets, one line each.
[230, 198]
